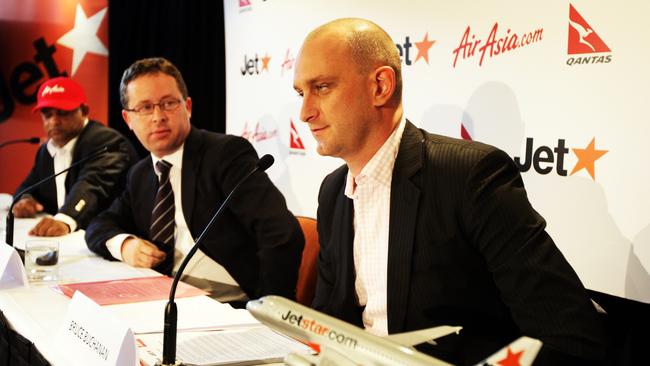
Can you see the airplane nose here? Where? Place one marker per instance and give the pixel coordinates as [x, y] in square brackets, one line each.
[253, 305]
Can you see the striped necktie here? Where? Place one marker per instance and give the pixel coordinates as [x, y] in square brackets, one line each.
[162, 226]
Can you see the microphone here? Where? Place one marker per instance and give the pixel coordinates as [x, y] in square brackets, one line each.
[169, 335]
[9, 228]
[31, 140]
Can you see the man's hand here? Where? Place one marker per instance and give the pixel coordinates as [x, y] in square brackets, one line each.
[50, 227]
[141, 253]
[27, 207]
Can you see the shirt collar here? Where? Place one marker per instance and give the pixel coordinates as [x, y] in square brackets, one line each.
[175, 158]
[65, 149]
[384, 159]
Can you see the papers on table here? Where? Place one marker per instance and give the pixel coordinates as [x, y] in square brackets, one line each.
[194, 313]
[129, 290]
[232, 347]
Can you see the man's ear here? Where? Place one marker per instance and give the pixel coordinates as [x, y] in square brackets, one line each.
[126, 118]
[84, 110]
[383, 85]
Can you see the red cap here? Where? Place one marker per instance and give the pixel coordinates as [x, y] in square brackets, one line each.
[60, 93]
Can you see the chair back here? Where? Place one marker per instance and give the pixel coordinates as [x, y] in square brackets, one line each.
[307, 273]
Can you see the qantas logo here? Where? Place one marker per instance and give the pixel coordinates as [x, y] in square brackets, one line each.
[295, 142]
[544, 158]
[464, 132]
[314, 327]
[496, 43]
[583, 39]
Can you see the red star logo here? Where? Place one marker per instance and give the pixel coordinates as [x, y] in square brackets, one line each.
[512, 359]
[423, 48]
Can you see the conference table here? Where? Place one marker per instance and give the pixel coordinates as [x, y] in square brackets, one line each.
[36, 313]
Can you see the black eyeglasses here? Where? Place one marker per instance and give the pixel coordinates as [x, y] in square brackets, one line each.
[146, 109]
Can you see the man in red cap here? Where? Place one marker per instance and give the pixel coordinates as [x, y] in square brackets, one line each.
[85, 190]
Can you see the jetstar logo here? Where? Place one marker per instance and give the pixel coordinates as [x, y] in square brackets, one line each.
[583, 39]
[312, 326]
[258, 134]
[295, 142]
[544, 158]
[496, 44]
[422, 46]
[252, 65]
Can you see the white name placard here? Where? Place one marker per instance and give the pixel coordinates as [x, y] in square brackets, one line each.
[12, 270]
[92, 336]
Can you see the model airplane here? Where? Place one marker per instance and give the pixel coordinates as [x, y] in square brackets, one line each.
[339, 343]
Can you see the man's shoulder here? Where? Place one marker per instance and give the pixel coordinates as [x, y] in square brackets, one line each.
[215, 143]
[213, 137]
[97, 133]
[334, 181]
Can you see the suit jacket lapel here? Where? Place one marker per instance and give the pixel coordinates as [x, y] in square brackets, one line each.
[148, 199]
[191, 163]
[344, 215]
[403, 216]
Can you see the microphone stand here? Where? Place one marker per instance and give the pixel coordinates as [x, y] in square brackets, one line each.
[31, 140]
[9, 228]
[171, 313]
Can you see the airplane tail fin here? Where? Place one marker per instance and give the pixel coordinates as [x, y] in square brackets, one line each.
[522, 351]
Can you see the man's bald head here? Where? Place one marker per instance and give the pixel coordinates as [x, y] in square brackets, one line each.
[370, 46]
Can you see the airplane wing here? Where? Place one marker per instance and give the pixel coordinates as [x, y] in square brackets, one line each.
[521, 352]
[327, 357]
[423, 335]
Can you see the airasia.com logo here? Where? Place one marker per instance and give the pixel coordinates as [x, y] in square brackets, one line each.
[496, 44]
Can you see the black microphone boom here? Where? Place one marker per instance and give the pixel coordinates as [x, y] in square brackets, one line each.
[169, 335]
[9, 228]
[31, 140]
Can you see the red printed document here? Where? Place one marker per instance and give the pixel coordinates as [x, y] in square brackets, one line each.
[129, 290]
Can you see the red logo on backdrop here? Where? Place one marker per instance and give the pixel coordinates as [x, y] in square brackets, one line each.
[288, 62]
[245, 5]
[497, 43]
[582, 37]
[464, 133]
[44, 39]
[260, 133]
[295, 142]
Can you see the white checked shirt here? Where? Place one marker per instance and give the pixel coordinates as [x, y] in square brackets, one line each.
[370, 192]
[62, 159]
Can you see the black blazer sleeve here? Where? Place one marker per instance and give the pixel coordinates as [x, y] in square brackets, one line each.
[45, 193]
[543, 293]
[93, 186]
[119, 218]
[260, 208]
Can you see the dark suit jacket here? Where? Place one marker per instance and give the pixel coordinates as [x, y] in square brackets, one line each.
[96, 181]
[257, 239]
[465, 248]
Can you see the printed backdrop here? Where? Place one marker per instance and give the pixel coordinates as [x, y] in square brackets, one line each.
[559, 85]
[41, 39]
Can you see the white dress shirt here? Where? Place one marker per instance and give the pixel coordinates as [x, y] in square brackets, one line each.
[62, 157]
[370, 192]
[201, 271]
